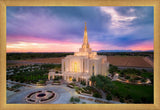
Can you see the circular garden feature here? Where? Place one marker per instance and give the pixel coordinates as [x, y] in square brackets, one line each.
[40, 96]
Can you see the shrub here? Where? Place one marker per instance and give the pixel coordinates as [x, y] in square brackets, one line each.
[117, 94]
[127, 77]
[56, 77]
[96, 94]
[72, 99]
[74, 80]
[136, 100]
[77, 89]
[143, 80]
[144, 100]
[109, 97]
[121, 100]
[143, 70]
[130, 100]
[137, 78]
[83, 83]
[128, 97]
[76, 99]
[132, 80]
[41, 82]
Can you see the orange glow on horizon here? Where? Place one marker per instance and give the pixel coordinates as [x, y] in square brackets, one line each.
[32, 44]
[42, 47]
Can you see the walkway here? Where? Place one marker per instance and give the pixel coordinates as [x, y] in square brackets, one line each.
[63, 92]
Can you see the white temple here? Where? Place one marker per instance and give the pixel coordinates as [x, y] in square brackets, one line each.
[83, 64]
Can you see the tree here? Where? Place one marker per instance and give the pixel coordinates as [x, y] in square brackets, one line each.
[112, 69]
[99, 83]
[93, 80]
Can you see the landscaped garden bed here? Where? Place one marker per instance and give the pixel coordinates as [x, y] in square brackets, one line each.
[130, 93]
[56, 83]
[132, 75]
[14, 88]
[71, 85]
[30, 74]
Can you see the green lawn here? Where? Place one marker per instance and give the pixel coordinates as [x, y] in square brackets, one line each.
[139, 93]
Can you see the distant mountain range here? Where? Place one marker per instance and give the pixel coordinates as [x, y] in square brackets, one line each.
[124, 51]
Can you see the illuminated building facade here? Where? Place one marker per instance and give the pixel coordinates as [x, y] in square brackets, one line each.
[83, 64]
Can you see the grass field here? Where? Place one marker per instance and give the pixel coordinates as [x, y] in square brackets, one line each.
[136, 93]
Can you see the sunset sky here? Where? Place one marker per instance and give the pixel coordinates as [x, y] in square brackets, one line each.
[61, 29]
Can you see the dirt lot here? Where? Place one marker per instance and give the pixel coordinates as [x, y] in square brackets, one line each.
[124, 61]
[34, 61]
[129, 61]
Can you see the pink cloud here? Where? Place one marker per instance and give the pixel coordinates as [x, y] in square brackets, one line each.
[148, 45]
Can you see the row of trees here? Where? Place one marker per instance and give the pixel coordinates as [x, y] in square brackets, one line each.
[150, 54]
[23, 56]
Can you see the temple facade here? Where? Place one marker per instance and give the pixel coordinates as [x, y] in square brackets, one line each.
[83, 64]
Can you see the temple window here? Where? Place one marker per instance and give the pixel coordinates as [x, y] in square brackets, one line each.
[93, 70]
[75, 67]
[64, 66]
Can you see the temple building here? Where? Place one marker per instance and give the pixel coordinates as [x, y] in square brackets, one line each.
[83, 64]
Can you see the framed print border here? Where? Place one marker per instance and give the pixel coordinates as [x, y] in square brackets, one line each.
[5, 3]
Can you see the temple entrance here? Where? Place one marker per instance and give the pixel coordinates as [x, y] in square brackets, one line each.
[70, 78]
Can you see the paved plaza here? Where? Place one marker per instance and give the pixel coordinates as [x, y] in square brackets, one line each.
[63, 92]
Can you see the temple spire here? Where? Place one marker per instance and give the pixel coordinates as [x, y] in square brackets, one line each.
[85, 38]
